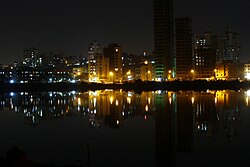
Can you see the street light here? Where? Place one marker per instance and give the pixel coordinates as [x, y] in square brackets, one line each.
[193, 73]
[111, 74]
[129, 76]
[215, 72]
[169, 74]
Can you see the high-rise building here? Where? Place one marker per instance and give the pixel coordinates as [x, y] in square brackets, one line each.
[114, 53]
[31, 57]
[164, 45]
[226, 70]
[204, 56]
[230, 49]
[184, 51]
[94, 58]
[221, 50]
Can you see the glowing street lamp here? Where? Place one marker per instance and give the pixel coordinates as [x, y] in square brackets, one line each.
[111, 74]
[193, 73]
[129, 72]
[169, 74]
[215, 72]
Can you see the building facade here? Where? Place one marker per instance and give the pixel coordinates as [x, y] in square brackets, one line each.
[217, 55]
[31, 57]
[226, 70]
[114, 54]
[184, 50]
[94, 59]
[164, 45]
[230, 46]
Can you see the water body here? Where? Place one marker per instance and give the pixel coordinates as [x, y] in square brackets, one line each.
[118, 128]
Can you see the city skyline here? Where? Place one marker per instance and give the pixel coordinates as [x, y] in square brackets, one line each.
[69, 26]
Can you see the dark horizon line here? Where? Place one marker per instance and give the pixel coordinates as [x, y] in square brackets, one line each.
[137, 86]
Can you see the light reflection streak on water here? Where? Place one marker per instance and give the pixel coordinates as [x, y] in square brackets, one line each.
[119, 105]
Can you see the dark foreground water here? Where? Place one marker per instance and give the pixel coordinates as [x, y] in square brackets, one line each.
[116, 128]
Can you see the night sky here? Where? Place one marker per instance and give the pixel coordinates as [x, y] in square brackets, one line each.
[68, 26]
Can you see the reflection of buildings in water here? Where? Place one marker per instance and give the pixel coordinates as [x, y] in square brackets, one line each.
[106, 107]
[40, 105]
[101, 107]
[147, 101]
[30, 105]
[174, 126]
[112, 107]
[217, 113]
[184, 122]
[165, 129]
[228, 113]
[205, 112]
[115, 119]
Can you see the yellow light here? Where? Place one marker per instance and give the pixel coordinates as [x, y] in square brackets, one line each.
[149, 100]
[129, 72]
[146, 62]
[149, 72]
[192, 100]
[128, 100]
[146, 108]
[192, 71]
[111, 73]
[111, 99]
[79, 101]
[169, 71]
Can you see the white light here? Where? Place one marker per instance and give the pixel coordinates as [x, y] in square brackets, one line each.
[11, 94]
[12, 81]
[248, 76]
[248, 93]
[159, 92]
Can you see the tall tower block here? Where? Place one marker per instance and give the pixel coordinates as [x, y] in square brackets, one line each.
[164, 45]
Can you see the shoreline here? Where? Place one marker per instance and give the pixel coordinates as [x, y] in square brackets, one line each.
[138, 86]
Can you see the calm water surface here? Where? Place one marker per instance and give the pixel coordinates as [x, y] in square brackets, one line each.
[117, 128]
